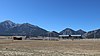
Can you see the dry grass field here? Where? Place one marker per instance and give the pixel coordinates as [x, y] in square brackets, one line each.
[49, 48]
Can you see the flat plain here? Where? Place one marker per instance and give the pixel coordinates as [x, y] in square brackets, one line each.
[50, 48]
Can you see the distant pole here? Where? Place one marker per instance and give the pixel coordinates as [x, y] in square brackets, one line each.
[94, 38]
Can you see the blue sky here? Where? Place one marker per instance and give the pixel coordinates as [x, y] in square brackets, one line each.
[53, 14]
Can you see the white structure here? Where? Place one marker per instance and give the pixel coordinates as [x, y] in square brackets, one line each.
[70, 36]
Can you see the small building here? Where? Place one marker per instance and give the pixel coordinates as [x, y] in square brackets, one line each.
[70, 36]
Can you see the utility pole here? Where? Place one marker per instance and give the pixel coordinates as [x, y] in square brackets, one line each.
[94, 34]
[94, 38]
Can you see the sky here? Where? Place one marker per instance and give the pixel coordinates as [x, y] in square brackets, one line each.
[53, 15]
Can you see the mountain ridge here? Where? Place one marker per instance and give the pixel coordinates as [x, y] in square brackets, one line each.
[10, 28]
[69, 31]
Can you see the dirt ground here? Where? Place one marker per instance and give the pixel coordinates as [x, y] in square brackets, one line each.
[50, 48]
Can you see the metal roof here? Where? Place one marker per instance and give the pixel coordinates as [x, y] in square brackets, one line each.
[68, 35]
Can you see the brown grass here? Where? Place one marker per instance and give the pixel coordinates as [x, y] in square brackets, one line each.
[50, 48]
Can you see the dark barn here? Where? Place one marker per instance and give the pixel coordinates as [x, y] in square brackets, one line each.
[17, 38]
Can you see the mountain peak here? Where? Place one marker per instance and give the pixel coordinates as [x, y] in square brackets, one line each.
[80, 31]
[8, 21]
[28, 24]
[67, 31]
[6, 25]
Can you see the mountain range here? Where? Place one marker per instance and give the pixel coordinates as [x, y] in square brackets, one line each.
[92, 34]
[9, 28]
[69, 31]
